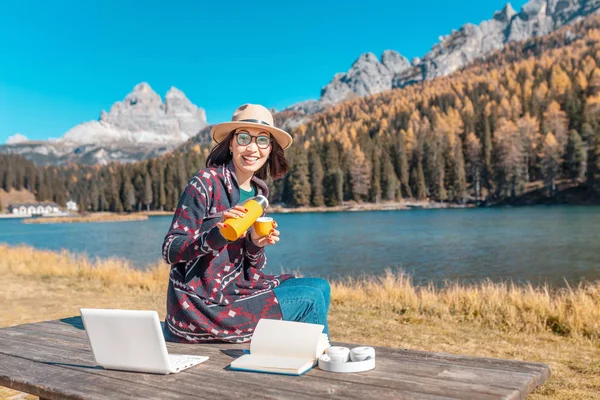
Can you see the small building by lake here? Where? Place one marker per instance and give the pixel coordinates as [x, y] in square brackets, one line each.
[72, 206]
[31, 209]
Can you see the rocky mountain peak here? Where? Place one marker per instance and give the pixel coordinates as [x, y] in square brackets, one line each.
[142, 93]
[506, 14]
[142, 117]
[364, 59]
[191, 118]
[394, 61]
[532, 9]
[174, 93]
[367, 75]
[176, 100]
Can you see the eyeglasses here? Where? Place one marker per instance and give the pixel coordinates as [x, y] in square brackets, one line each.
[244, 139]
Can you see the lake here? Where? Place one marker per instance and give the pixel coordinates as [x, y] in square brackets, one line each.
[536, 244]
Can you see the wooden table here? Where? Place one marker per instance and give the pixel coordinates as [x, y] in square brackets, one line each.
[53, 360]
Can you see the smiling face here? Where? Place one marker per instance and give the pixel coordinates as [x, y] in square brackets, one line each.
[248, 154]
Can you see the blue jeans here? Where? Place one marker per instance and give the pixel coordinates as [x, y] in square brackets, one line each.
[304, 300]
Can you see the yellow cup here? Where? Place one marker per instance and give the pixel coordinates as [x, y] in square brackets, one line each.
[263, 226]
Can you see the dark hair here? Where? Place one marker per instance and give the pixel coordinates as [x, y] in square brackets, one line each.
[276, 164]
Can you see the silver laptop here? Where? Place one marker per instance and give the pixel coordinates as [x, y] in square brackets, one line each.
[132, 340]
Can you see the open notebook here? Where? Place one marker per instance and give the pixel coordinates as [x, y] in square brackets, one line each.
[283, 347]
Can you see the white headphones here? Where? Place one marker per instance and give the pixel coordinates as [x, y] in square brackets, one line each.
[343, 359]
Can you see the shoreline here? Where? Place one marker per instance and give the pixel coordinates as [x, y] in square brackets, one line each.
[382, 206]
[101, 217]
[351, 206]
[12, 216]
[275, 209]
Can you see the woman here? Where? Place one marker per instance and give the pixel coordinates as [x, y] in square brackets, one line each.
[216, 288]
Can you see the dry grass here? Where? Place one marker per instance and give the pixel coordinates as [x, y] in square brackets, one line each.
[154, 213]
[575, 362]
[557, 327]
[503, 306]
[24, 261]
[536, 324]
[96, 217]
[15, 196]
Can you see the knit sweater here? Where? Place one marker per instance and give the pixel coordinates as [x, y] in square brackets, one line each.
[216, 287]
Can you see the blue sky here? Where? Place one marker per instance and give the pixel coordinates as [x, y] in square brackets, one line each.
[62, 62]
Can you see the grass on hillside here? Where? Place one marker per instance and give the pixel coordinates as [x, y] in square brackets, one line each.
[558, 327]
[15, 196]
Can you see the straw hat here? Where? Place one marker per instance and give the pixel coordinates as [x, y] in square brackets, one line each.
[251, 115]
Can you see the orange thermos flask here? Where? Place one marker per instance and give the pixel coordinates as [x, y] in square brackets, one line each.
[235, 227]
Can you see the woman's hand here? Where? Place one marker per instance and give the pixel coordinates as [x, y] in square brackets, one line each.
[262, 241]
[235, 212]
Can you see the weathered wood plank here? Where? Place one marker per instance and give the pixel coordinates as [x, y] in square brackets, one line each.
[402, 373]
[40, 352]
[488, 363]
[411, 362]
[387, 375]
[65, 383]
[450, 372]
[48, 381]
[73, 322]
[391, 380]
[538, 372]
[402, 354]
[493, 363]
[381, 381]
[285, 386]
[527, 379]
[378, 369]
[82, 360]
[56, 357]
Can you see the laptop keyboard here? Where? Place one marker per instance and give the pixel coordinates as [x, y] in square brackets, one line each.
[181, 361]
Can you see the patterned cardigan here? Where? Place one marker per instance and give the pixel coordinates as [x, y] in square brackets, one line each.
[216, 287]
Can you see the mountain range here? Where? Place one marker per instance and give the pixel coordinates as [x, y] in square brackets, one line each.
[370, 75]
[138, 127]
[143, 126]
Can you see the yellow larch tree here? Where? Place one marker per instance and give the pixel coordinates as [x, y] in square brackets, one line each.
[555, 121]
